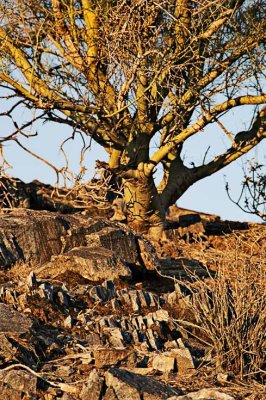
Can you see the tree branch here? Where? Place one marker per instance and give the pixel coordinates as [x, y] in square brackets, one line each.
[201, 123]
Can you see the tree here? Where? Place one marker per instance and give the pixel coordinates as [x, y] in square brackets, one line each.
[125, 72]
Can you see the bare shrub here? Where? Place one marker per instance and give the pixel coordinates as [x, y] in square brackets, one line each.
[230, 310]
[252, 198]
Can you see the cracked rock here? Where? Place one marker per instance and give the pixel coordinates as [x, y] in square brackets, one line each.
[94, 264]
[126, 383]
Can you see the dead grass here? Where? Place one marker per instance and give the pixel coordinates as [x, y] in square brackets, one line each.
[230, 309]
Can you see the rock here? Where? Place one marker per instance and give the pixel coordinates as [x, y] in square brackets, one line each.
[136, 299]
[143, 371]
[102, 293]
[6, 349]
[135, 302]
[224, 227]
[163, 363]
[31, 280]
[46, 291]
[108, 357]
[63, 298]
[148, 396]
[122, 390]
[12, 321]
[153, 340]
[94, 264]
[184, 360]
[148, 254]
[126, 383]
[182, 268]
[204, 394]
[34, 236]
[189, 219]
[122, 243]
[116, 338]
[67, 396]
[92, 389]
[68, 322]
[17, 385]
[160, 315]
[110, 394]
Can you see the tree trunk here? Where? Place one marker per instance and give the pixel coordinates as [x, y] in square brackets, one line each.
[145, 211]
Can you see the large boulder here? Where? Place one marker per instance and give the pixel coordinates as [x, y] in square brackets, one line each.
[34, 236]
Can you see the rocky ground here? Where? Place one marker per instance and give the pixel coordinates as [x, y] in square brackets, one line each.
[90, 310]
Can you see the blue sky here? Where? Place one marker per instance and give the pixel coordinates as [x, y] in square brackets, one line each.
[208, 195]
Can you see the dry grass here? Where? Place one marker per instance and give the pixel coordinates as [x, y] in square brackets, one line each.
[230, 309]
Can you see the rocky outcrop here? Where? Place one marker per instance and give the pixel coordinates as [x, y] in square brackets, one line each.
[36, 236]
[82, 321]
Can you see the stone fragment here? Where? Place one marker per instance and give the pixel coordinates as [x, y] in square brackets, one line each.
[31, 280]
[143, 371]
[122, 380]
[152, 339]
[108, 357]
[122, 390]
[171, 344]
[135, 302]
[68, 322]
[101, 293]
[182, 268]
[144, 298]
[149, 320]
[93, 264]
[126, 298]
[109, 285]
[109, 394]
[63, 298]
[45, 291]
[116, 338]
[141, 323]
[17, 384]
[12, 321]
[148, 254]
[122, 243]
[163, 363]
[92, 388]
[7, 351]
[183, 359]
[161, 315]
[204, 394]
[148, 396]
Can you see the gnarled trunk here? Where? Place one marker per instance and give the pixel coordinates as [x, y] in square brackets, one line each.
[145, 211]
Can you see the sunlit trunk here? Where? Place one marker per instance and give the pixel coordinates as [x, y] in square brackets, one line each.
[145, 212]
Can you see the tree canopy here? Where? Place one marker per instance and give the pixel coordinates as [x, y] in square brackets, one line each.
[124, 72]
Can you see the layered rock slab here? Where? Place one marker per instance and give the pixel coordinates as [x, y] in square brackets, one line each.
[35, 236]
[94, 264]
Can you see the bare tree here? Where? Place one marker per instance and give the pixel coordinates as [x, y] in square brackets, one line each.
[252, 197]
[126, 71]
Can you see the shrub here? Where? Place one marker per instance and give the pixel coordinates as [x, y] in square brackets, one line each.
[230, 309]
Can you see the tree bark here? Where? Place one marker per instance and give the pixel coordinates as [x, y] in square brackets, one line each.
[145, 211]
